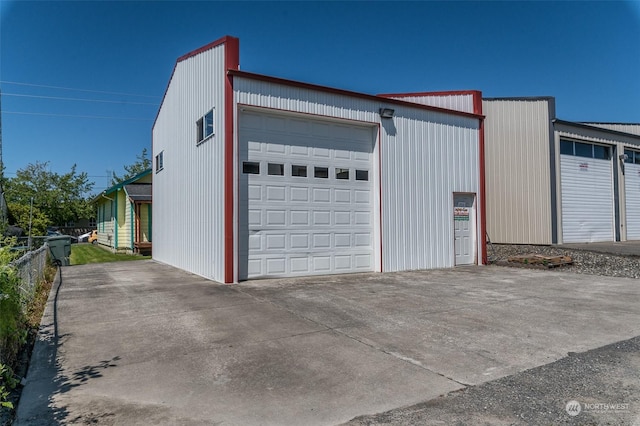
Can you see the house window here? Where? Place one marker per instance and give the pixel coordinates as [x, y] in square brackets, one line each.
[342, 173]
[250, 168]
[160, 161]
[321, 172]
[300, 171]
[92, 222]
[275, 169]
[204, 127]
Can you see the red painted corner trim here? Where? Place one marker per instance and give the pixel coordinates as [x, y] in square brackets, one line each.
[231, 62]
[477, 108]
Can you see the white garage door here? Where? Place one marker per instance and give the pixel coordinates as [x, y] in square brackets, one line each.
[587, 192]
[306, 197]
[632, 194]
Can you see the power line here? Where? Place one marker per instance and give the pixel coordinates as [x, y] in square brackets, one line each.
[76, 89]
[78, 99]
[78, 116]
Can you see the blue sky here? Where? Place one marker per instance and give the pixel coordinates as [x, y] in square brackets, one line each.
[586, 54]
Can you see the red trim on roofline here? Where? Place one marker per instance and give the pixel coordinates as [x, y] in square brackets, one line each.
[216, 43]
[285, 82]
[231, 62]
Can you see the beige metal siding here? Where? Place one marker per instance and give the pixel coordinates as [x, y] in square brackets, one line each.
[188, 194]
[518, 183]
[633, 129]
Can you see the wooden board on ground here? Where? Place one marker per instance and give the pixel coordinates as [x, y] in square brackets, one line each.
[538, 259]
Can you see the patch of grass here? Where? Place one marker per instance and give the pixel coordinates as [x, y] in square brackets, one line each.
[82, 254]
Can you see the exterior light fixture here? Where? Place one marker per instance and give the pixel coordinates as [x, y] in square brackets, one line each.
[386, 112]
[623, 157]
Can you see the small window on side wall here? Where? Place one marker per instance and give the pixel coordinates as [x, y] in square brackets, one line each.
[629, 155]
[160, 161]
[204, 127]
[251, 167]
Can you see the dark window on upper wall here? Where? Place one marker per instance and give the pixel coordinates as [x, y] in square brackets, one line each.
[275, 169]
[300, 171]
[601, 152]
[160, 161]
[342, 173]
[566, 147]
[321, 172]
[636, 157]
[584, 149]
[251, 168]
[362, 174]
[629, 155]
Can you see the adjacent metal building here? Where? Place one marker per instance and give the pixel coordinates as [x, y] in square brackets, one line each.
[257, 176]
[553, 181]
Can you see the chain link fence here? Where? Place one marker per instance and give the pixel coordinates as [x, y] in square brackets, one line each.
[31, 268]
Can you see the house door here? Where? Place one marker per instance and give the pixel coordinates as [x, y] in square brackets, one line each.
[464, 219]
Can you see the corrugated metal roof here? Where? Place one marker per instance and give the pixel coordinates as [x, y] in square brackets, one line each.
[139, 191]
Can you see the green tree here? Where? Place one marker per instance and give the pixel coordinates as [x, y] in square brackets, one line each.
[20, 213]
[143, 162]
[61, 198]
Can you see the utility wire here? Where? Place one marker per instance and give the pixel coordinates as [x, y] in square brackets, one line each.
[78, 99]
[78, 116]
[76, 89]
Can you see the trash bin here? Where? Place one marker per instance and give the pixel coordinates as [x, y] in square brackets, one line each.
[60, 248]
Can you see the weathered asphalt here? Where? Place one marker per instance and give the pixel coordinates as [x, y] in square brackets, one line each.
[144, 343]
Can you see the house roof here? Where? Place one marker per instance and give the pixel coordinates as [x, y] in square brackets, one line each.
[595, 128]
[120, 185]
[139, 191]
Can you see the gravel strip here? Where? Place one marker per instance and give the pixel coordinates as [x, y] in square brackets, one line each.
[605, 381]
[584, 261]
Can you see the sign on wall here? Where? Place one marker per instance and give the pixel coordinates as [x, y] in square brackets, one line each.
[461, 213]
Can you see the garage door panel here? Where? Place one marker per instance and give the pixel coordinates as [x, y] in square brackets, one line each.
[587, 199]
[290, 224]
[632, 196]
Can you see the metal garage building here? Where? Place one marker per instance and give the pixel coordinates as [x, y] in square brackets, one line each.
[257, 176]
[554, 181]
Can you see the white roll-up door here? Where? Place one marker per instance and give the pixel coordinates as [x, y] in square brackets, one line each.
[632, 195]
[305, 196]
[587, 194]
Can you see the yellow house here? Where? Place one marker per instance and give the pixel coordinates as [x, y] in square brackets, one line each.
[124, 215]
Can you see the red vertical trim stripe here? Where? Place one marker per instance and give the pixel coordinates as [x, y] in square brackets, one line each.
[231, 62]
[477, 109]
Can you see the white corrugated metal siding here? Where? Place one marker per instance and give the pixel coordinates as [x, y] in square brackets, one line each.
[518, 185]
[426, 156]
[457, 102]
[188, 207]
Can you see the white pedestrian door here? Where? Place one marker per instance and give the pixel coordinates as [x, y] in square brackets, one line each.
[306, 196]
[464, 219]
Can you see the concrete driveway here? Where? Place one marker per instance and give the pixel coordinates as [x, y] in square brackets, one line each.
[144, 343]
